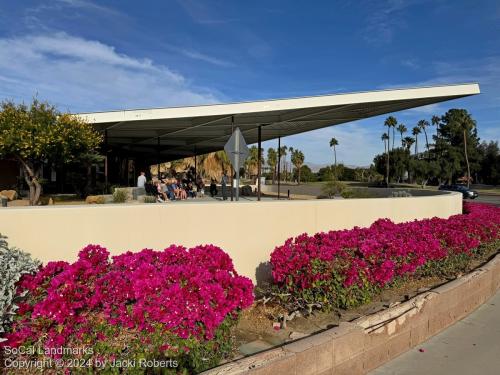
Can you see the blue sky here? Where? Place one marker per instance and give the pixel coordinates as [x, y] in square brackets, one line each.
[87, 55]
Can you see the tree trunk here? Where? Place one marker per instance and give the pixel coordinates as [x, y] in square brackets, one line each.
[393, 137]
[299, 175]
[387, 160]
[426, 141]
[32, 176]
[466, 160]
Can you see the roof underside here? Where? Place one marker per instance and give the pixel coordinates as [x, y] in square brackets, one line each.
[187, 131]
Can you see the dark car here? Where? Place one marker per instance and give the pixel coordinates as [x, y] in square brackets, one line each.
[466, 192]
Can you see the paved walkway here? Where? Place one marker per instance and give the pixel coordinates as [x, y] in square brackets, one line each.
[470, 347]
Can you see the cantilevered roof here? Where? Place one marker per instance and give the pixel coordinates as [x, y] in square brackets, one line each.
[185, 131]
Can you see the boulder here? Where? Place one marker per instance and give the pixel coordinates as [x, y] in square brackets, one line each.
[95, 199]
[9, 194]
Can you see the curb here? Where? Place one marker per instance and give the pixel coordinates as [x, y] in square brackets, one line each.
[370, 341]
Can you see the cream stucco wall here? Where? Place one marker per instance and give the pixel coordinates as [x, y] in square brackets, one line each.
[248, 231]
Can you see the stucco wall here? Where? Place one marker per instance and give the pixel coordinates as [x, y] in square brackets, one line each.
[248, 231]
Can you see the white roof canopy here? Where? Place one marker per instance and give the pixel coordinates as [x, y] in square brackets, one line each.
[185, 131]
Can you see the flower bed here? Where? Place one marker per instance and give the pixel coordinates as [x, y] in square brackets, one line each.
[173, 304]
[347, 268]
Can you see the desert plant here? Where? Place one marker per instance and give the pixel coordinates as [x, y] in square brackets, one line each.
[120, 196]
[334, 187]
[178, 303]
[346, 268]
[149, 199]
[14, 264]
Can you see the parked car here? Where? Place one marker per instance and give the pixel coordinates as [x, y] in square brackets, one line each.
[466, 192]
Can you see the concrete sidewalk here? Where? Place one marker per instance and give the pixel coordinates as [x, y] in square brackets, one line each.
[470, 347]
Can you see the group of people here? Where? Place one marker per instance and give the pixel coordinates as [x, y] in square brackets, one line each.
[170, 189]
[183, 186]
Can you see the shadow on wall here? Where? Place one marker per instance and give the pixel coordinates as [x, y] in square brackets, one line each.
[263, 274]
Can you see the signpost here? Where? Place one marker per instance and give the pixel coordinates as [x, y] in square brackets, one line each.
[237, 152]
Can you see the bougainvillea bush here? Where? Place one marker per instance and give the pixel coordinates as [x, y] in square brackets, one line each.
[346, 268]
[177, 303]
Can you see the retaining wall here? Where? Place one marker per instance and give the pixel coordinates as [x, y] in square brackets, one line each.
[368, 342]
[247, 231]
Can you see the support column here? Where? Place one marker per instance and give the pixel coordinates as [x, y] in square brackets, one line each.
[259, 161]
[279, 166]
[106, 159]
[232, 169]
[158, 157]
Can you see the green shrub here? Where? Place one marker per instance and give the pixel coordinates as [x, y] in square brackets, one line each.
[334, 187]
[120, 196]
[13, 264]
[149, 199]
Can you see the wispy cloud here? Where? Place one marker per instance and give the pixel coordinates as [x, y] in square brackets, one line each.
[81, 74]
[385, 18]
[206, 58]
[202, 13]
[410, 63]
[38, 17]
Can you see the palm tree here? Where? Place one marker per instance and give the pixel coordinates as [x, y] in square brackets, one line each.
[272, 159]
[252, 162]
[402, 129]
[290, 151]
[466, 123]
[436, 120]
[385, 138]
[334, 143]
[408, 142]
[390, 122]
[297, 159]
[416, 132]
[282, 157]
[422, 124]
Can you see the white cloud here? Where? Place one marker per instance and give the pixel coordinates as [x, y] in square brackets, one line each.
[80, 74]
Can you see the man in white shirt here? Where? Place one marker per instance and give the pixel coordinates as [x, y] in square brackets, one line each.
[141, 180]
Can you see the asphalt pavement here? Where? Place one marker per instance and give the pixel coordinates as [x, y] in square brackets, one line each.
[490, 199]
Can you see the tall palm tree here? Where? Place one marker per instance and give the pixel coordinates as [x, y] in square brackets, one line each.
[272, 160]
[467, 124]
[282, 157]
[402, 129]
[334, 143]
[416, 131]
[289, 175]
[297, 159]
[408, 142]
[422, 124]
[390, 122]
[436, 120]
[385, 138]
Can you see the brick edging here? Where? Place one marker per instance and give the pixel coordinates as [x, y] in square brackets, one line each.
[366, 343]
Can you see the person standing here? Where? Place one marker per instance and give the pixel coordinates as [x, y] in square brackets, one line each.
[223, 183]
[141, 180]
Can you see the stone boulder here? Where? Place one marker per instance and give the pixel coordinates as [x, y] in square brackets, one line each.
[9, 194]
[95, 199]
